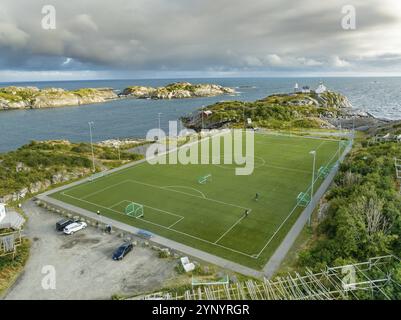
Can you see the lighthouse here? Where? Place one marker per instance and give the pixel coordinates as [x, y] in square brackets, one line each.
[296, 87]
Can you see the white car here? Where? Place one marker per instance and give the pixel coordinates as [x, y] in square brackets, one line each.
[74, 227]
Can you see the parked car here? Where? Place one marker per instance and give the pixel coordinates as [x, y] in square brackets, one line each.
[63, 223]
[122, 251]
[74, 227]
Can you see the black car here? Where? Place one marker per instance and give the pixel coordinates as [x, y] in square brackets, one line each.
[63, 223]
[122, 250]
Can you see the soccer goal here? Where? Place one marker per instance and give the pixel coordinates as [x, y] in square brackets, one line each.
[324, 171]
[134, 210]
[204, 179]
[303, 199]
[96, 176]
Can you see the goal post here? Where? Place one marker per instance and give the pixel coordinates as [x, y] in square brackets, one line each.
[134, 210]
[204, 179]
[95, 176]
[303, 199]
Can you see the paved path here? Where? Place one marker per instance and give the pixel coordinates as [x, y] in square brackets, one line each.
[274, 262]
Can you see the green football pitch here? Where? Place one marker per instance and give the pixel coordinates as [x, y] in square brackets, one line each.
[210, 216]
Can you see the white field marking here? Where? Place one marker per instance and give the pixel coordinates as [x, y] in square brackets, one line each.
[135, 164]
[238, 221]
[184, 187]
[179, 220]
[322, 143]
[115, 205]
[164, 227]
[286, 169]
[290, 214]
[223, 166]
[86, 196]
[104, 189]
[295, 136]
[189, 194]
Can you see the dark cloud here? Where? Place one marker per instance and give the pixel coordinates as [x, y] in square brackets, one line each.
[200, 35]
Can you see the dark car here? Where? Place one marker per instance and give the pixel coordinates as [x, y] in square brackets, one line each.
[122, 250]
[63, 223]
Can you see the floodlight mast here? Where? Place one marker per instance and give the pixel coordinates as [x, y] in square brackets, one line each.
[91, 123]
[313, 152]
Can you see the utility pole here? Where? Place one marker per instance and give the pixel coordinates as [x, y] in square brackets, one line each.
[313, 152]
[91, 123]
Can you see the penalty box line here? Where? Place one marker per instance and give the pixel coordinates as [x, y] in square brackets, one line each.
[167, 228]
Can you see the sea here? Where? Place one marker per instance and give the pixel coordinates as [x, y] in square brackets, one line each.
[132, 118]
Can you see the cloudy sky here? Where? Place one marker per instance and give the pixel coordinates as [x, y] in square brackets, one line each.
[184, 38]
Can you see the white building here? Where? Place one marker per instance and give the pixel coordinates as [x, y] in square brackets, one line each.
[296, 87]
[305, 89]
[321, 88]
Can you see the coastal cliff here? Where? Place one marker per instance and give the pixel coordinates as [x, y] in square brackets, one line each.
[178, 90]
[34, 98]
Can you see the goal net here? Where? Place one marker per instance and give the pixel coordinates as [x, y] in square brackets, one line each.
[96, 176]
[204, 179]
[134, 210]
[303, 199]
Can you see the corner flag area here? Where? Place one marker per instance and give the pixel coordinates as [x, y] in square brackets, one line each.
[203, 205]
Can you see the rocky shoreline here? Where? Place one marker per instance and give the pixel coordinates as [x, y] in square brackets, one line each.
[20, 98]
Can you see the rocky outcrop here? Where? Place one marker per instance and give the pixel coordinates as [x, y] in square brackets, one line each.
[179, 90]
[289, 110]
[33, 98]
[328, 99]
[40, 186]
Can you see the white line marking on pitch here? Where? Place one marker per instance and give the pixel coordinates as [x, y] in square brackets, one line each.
[238, 221]
[175, 223]
[184, 187]
[167, 228]
[188, 194]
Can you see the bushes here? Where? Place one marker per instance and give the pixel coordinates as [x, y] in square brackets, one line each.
[364, 215]
[40, 161]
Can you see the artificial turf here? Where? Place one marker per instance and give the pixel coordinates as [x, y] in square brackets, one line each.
[211, 216]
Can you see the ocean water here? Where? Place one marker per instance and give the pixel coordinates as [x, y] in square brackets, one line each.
[134, 117]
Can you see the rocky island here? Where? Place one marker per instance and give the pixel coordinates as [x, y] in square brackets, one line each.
[178, 90]
[14, 97]
[305, 108]
[34, 98]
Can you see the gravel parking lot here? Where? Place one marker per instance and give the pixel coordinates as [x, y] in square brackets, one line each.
[83, 265]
